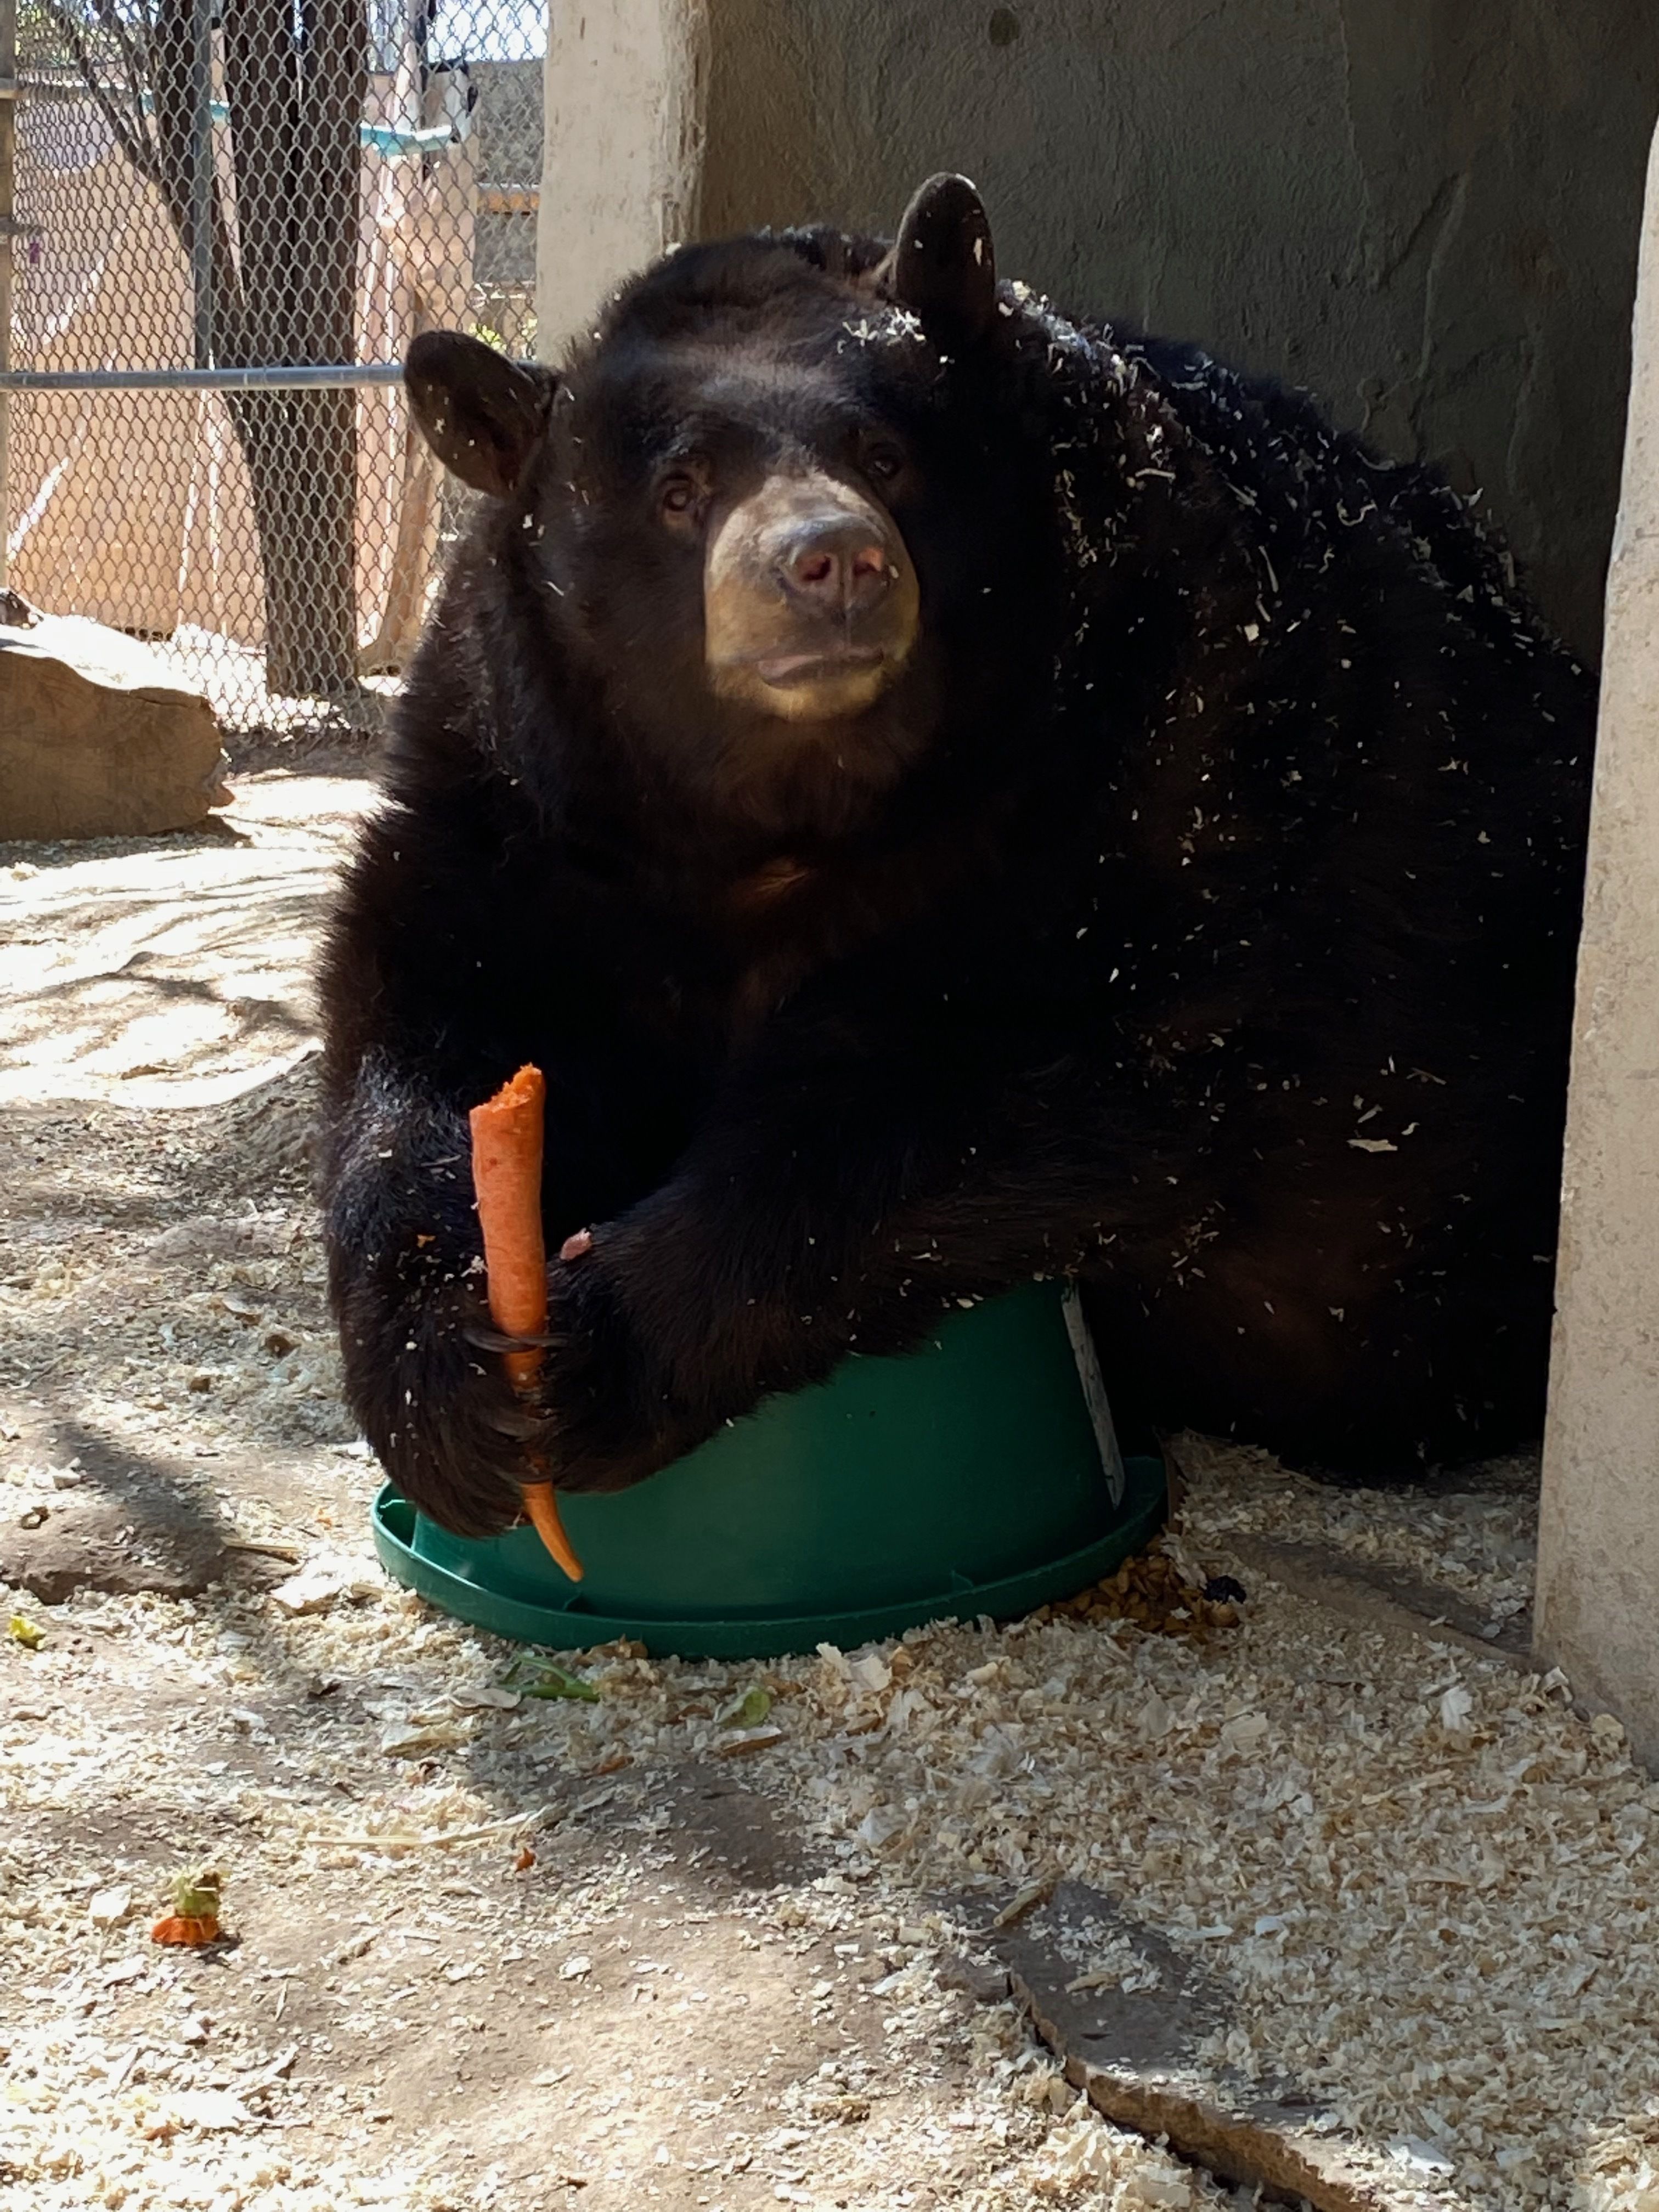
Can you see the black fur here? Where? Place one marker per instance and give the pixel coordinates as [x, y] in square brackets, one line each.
[1197, 913]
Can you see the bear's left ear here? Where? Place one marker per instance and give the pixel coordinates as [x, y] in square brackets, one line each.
[481, 415]
[941, 266]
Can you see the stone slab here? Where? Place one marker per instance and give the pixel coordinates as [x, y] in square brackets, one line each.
[1135, 2055]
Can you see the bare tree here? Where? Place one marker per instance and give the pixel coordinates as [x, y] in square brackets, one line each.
[280, 260]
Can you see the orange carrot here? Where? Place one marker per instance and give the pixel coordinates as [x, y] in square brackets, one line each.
[507, 1177]
[194, 1919]
[541, 1502]
[191, 1927]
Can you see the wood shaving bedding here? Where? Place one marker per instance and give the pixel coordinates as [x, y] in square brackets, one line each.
[1427, 1884]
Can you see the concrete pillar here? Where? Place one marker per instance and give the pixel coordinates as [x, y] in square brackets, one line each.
[1598, 1567]
[626, 88]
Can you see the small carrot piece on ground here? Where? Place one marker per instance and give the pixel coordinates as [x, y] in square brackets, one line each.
[507, 1178]
[191, 1928]
[194, 1919]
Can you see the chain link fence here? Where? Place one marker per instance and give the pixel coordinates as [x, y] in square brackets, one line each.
[228, 218]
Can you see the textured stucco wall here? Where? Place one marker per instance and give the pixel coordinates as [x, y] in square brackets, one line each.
[623, 106]
[1426, 210]
[1598, 1563]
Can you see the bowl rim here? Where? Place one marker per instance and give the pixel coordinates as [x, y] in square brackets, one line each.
[570, 1626]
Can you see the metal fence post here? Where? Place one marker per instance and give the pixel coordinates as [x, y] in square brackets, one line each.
[201, 179]
[7, 229]
[163, 171]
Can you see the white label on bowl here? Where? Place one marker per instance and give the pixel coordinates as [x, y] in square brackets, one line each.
[1094, 1394]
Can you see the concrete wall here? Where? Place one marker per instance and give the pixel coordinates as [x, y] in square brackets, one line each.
[1598, 1567]
[1425, 210]
[621, 156]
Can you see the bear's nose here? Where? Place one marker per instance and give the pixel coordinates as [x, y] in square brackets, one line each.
[836, 567]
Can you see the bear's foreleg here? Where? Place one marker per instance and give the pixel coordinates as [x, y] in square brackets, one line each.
[423, 1374]
[817, 1213]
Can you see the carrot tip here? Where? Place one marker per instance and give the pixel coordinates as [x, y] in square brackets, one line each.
[542, 1505]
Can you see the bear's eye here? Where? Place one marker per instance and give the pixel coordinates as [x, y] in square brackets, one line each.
[678, 497]
[884, 463]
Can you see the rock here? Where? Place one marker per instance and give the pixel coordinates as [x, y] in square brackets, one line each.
[163, 1543]
[98, 737]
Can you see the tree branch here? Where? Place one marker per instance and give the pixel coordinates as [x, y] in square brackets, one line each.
[131, 60]
[134, 145]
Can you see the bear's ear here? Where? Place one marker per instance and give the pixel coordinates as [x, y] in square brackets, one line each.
[941, 265]
[481, 415]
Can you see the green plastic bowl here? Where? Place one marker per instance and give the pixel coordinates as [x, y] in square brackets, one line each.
[978, 1474]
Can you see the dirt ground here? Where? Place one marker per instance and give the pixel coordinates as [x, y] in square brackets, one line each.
[492, 1948]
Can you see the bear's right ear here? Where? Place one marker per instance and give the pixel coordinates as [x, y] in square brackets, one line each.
[481, 415]
[941, 266]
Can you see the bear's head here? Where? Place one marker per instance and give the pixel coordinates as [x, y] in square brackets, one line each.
[759, 507]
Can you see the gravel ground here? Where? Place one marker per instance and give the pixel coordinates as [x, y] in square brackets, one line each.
[492, 1948]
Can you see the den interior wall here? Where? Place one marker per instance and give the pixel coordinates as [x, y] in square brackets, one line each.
[1424, 210]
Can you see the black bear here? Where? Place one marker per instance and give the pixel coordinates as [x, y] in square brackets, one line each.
[948, 793]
